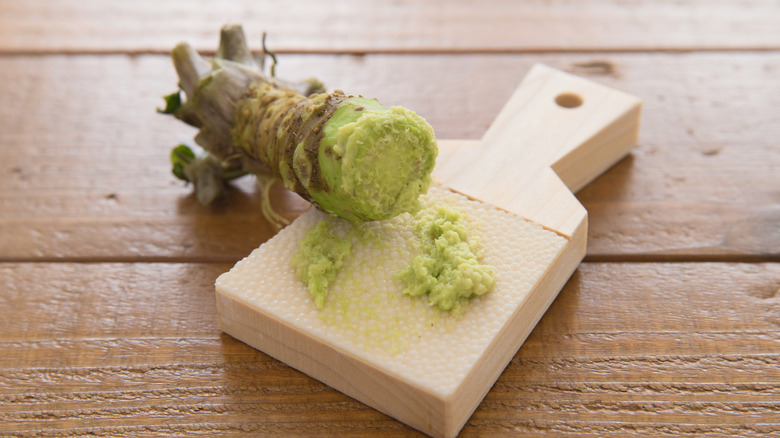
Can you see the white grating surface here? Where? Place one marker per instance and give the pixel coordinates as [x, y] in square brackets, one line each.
[367, 315]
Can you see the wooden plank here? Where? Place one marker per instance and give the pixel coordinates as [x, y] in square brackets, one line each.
[644, 348]
[95, 182]
[392, 26]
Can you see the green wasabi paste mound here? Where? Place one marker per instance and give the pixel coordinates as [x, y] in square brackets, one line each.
[319, 257]
[448, 271]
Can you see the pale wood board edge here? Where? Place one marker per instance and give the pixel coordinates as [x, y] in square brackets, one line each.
[610, 148]
[340, 370]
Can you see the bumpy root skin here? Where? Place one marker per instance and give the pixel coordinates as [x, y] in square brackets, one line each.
[272, 119]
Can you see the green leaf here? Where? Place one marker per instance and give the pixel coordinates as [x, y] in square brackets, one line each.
[181, 156]
[172, 103]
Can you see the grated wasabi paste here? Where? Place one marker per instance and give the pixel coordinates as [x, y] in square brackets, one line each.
[448, 271]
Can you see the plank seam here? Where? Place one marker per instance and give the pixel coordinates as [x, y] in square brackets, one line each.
[408, 51]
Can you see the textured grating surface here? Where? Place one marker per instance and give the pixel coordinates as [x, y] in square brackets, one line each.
[366, 314]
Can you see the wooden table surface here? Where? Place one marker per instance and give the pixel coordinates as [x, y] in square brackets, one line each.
[671, 326]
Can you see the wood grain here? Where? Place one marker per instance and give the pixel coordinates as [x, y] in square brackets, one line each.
[86, 177]
[627, 348]
[391, 26]
[679, 348]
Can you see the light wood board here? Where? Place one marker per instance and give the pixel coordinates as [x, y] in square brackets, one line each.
[555, 134]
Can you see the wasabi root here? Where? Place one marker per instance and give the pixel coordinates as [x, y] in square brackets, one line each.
[349, 156]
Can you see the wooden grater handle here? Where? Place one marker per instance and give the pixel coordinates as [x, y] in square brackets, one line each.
[555, 134]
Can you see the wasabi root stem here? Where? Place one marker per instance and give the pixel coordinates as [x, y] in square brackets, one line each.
[233, 47]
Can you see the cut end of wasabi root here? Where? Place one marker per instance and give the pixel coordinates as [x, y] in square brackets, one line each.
[376, 161]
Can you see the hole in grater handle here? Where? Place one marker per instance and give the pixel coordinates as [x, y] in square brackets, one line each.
[568, 100]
